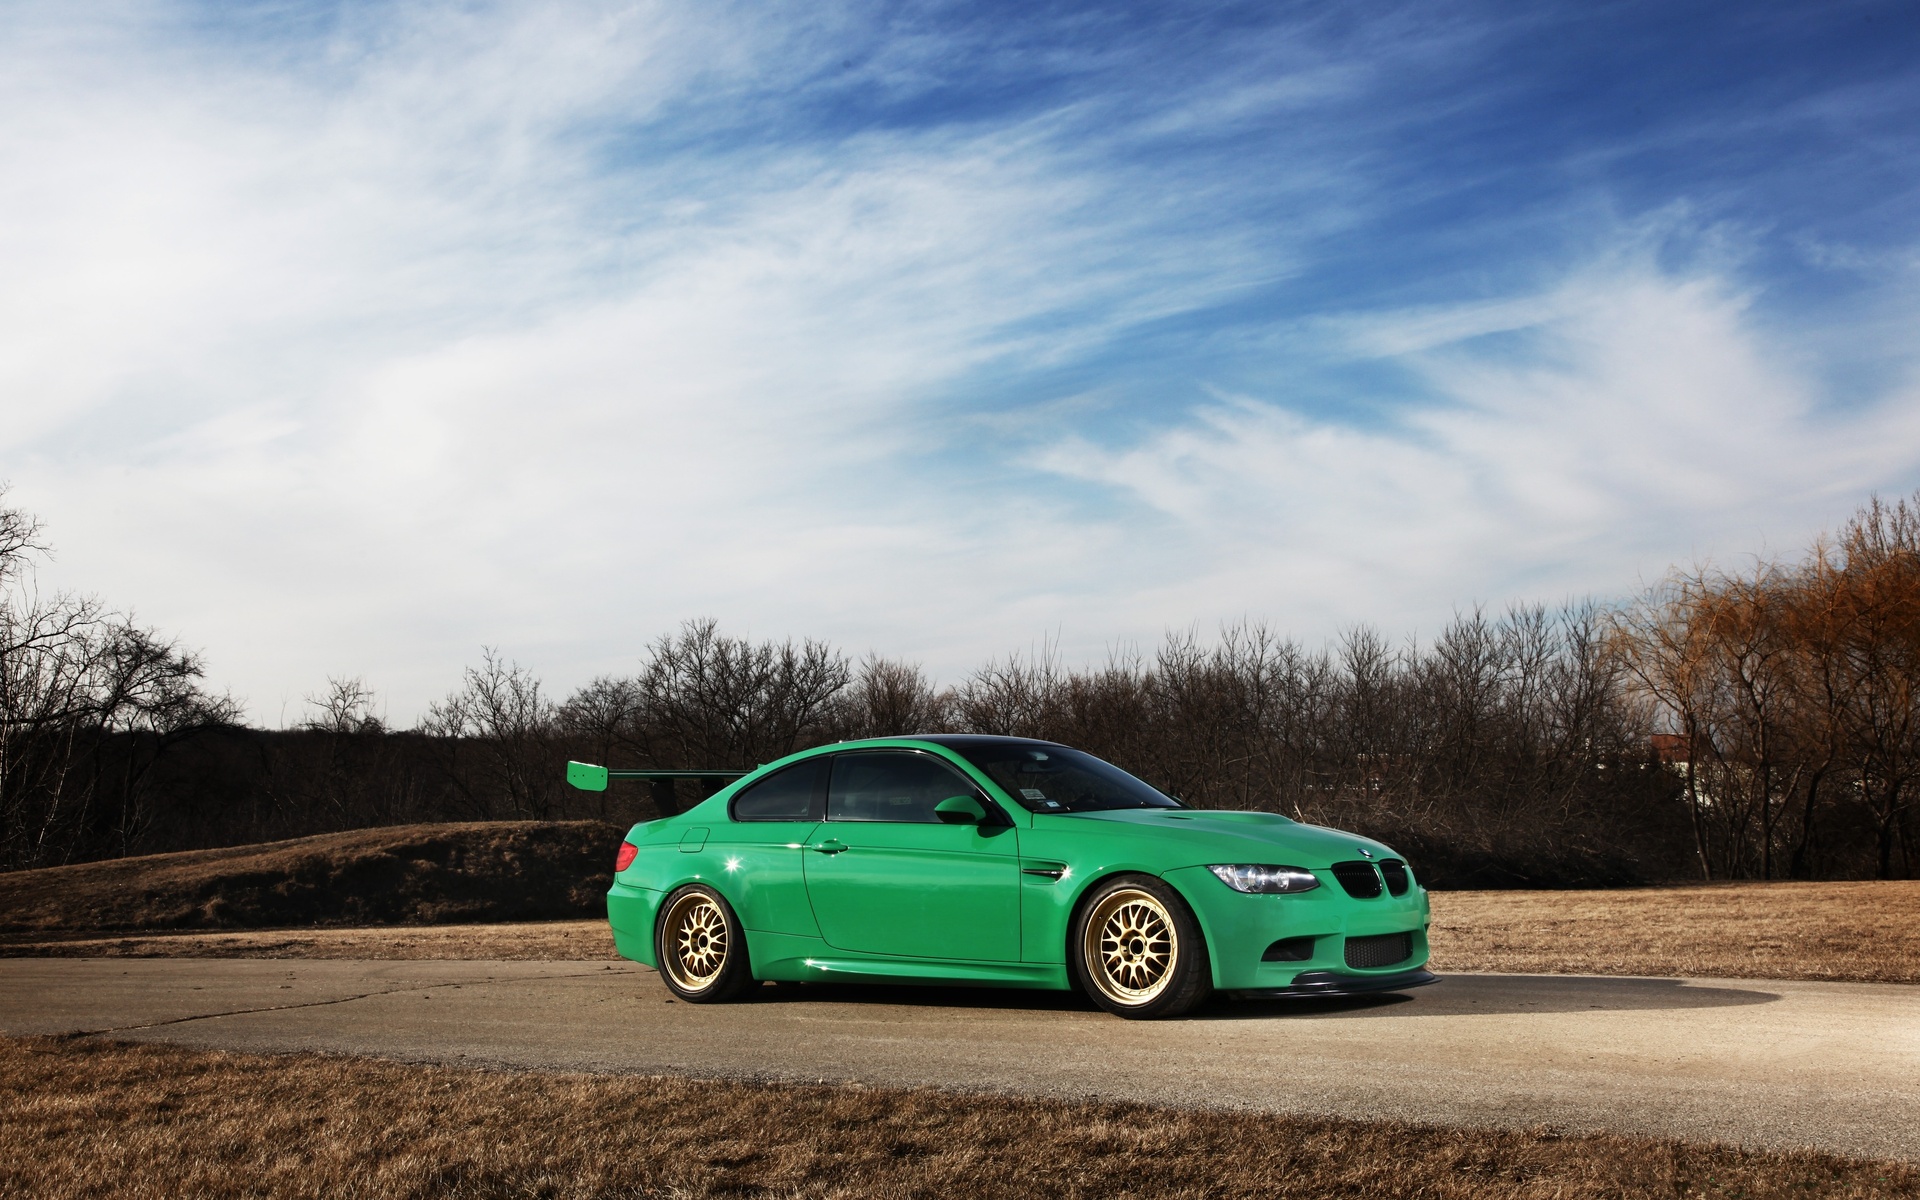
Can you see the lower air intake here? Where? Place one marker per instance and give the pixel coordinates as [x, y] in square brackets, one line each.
[1293, 949]
[1382, 951]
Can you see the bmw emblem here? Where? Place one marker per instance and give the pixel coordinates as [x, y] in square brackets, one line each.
[1365, 853]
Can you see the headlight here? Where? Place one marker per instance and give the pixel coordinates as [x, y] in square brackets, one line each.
[1265, 881]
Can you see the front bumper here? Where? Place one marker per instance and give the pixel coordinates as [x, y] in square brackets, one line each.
[1312, 984]
[1240, 928]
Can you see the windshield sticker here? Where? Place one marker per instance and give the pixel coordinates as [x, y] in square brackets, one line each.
[1033, 793]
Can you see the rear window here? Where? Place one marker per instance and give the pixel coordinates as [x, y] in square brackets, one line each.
[785, 795]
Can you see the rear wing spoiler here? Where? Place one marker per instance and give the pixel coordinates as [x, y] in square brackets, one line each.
[590, 778]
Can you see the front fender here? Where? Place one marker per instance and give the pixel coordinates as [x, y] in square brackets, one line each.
[1047, 906]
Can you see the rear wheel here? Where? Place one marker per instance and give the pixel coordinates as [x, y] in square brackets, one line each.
[1137, 950]
[700, 947]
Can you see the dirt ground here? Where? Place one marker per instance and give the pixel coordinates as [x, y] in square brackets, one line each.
[1863, 932]
[89, 1118]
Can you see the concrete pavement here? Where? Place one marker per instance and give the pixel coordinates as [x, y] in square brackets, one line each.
[1759, 1063]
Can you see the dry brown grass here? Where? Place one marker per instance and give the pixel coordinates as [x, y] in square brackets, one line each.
[1867, 932]
[84, 1118]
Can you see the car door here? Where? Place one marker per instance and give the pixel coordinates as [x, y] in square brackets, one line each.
[887, 875]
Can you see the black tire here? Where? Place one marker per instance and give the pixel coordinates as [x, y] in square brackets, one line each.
[701, 949]
[1136, 950]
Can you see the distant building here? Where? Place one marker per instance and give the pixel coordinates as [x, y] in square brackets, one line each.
[1671, 748]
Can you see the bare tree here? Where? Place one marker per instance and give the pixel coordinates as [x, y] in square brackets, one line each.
[1666, 659]
[499, 718]
[1881, 548]
[705, 700]
[19, 538]
[887, 698]
[1018, 696]
[349, 706]
[75, 678]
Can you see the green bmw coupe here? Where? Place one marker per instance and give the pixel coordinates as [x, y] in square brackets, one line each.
[1007, 862]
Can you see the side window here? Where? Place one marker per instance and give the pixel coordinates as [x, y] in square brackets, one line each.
[893, 786]
[785, 795]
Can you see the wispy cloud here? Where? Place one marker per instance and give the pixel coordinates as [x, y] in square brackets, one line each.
[1579, 441]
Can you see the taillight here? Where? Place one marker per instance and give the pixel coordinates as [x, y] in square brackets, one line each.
[625, 858]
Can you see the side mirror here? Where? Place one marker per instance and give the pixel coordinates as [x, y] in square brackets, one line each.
[961, 810]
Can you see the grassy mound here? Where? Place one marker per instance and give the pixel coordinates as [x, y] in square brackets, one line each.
[399, 875]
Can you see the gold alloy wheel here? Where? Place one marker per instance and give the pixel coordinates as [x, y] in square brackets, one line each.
[1130, 946]
[695, 945]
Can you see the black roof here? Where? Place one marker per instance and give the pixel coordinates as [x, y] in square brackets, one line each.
[957, 740]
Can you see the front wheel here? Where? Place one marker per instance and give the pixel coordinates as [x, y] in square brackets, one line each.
[1137, 950]
[700, 947]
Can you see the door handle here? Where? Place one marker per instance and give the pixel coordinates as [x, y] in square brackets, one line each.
[830, 846]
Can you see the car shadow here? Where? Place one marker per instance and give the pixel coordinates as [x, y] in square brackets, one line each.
[1487, 995]
[921, 996]
[1452, 996]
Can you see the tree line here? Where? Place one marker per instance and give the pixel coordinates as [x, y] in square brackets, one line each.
[1755, 723]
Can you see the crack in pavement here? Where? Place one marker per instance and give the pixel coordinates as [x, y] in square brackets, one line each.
[241, 1012]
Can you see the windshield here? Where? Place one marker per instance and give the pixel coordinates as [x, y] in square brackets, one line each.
[1056, 779]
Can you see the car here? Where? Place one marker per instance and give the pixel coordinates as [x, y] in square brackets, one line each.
[1006, 862]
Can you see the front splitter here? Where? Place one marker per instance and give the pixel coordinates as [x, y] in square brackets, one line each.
[1336, 983]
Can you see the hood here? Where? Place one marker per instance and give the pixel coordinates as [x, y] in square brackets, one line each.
[1260, 837]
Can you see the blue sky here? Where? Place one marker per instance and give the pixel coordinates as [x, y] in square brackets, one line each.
[344, 339]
